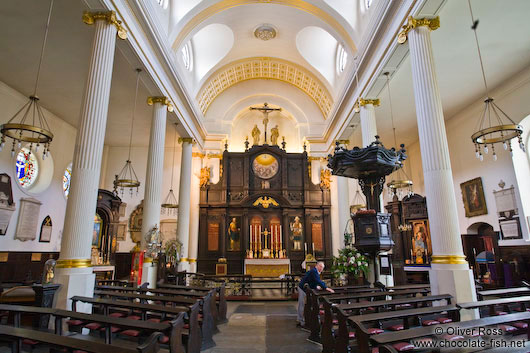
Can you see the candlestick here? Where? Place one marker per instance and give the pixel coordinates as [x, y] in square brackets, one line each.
[313, 248]
[305, 249]
[281, 238]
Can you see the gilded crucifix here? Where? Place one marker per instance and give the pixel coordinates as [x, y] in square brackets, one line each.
[265, 110]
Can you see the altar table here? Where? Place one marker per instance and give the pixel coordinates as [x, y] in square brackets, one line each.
[267, 267]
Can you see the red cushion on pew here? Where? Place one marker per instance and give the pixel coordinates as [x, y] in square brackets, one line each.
[520, 324]
[4, 313]
[117, 315]
[351, 334]
[153, 319]
[200, 316]
[133, 317]
[335, 322]
[321, 312]
[29, 342]
[375, 350]
[375, 331]
[131, 333]
[507, 328]
[501, 313]
[400, 306]
[403, 346]
[443, 320]
[164, 340]
[429, 322]
[453, 337]
[74, 322]
[93, 326]
[398, 327]
[186, 326]
[113, 329]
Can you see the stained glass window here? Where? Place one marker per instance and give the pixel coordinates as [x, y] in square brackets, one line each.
[66, 180]
[27, 168]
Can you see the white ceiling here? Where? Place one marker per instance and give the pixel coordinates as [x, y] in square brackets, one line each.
[504, 39]
[65, 66]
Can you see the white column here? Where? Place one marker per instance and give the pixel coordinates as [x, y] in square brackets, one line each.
[368, 122]
[194, 212]
[153, 180]
[183, 225]
[336, 242]
[74, 270]
[343, 202]
[450, 271]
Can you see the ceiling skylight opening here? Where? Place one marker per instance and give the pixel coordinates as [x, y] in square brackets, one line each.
[187, 58]
[342, 59]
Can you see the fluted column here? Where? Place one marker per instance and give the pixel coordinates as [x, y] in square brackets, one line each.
[343, 203]
[450, 271]
[73, 266]
[368, 122]
[153, 179]
[183, 225]
[194, 211]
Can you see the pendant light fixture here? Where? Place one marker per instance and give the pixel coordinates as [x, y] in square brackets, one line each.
[358, 201]
[400, 184]
[29, 123]
[170, 205]
[492, 128]
[127, 178]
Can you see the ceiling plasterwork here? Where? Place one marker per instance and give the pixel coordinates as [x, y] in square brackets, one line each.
[264, 68]
[223, 5]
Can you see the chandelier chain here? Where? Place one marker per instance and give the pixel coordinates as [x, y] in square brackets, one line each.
[134, 110]
[474, 25]
[43, 47]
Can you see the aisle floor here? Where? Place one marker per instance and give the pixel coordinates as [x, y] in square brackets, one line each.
[262, 327]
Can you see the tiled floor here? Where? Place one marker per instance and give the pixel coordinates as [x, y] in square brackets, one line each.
[262, 327]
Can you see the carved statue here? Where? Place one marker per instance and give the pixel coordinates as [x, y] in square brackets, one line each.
[325, 178]
[274, 136]
[205, 176]
[49, 271]
[296, 233]
[256, 134]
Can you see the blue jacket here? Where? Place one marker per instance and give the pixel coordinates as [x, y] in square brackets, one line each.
[312, 278]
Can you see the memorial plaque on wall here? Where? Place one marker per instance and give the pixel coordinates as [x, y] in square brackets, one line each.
[316, 234]
[213, 236]
[27, 219]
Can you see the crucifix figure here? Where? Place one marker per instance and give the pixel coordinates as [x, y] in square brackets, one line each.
[265, 110]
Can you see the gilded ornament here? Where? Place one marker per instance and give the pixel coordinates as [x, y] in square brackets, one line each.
[265, 32]
[432, 23]
[110, 16]
[449, 259]
[274, 135]
[325, 179]
[265, 202]
[205, 176]
[375, 102]
[186, 139]
[162, 100]
[256, 134]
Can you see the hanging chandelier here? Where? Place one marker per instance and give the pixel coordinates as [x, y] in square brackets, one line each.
[29, 123]
[127, 178]
[358, 202]
[170, 205]
[400, 184]
[488, 132]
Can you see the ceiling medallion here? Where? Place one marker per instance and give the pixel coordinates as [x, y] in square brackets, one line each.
[265, 32]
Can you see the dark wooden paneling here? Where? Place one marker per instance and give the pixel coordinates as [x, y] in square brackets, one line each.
[20, 268]
[123, 265]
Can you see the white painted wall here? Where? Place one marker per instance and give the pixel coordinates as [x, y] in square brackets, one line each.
[52, 198]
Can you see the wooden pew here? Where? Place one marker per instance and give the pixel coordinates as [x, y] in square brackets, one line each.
[17, 335]
[208, 326]
[492, 304]
[385, 340]
[506, 292]
[221, 291]
[341, 340]
[313, 297]
[363, 333]
[192, 335]
[172, 330]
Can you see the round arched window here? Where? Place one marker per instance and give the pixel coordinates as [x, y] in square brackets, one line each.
[67, 176]
[342, 58]
[27, 168]
[186, 56]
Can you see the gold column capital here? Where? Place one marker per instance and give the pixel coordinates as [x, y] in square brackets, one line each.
[192, 260]
[110, 16]
[375, 102]
[198, 154]
[432, 23]
[448, 259]
[162, 100]
[73, 263]
[186, 139]
[342, 142]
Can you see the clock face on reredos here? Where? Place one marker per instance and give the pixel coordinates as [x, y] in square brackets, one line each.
[265, 166]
